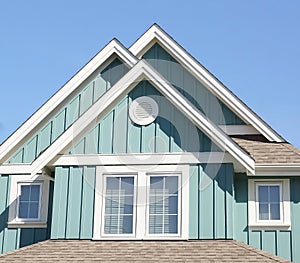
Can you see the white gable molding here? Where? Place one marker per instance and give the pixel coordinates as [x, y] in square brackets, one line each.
[156, 34]
[142, 70]
[17, 139]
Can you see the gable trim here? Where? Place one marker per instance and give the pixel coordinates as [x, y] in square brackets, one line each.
[155, 33]
[17, 139]
[139, 72]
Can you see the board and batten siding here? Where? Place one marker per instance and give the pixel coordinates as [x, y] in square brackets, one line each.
[14, 238]
[190, 87]
[88, 94]
[170, 132]
[211, 201]
[284, 243]
[73, 202]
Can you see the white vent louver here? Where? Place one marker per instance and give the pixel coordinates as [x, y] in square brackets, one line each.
[143, 110]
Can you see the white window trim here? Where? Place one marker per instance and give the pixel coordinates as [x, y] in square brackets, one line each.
[179, 226]
[16, 182]
[141, 172]
[253, 216]
[20, 184]
[104, 176]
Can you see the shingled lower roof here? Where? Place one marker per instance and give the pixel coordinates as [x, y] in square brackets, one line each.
[139, 251]
[270, 152]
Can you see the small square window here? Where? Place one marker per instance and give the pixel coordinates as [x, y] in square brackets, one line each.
[269, 203]
[29, 201]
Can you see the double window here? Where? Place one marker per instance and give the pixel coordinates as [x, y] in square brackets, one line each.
[140, 204]
[269, 203]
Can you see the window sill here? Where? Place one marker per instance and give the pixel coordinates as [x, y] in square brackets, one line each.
[270, 226]
[26, 224]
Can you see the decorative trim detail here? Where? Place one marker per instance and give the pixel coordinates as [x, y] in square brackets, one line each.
[143, 110]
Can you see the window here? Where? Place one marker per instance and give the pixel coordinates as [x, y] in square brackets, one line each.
[163, 205]
[28, 201]
[119, 201]
[269, 203]
[139, 204]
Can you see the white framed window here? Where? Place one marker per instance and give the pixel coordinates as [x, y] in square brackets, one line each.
[269, 203]
[29, 201]
[141, 202]
[28, 205]
[118, 215]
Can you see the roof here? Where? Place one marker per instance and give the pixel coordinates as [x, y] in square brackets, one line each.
[269, 152]
[139, 251]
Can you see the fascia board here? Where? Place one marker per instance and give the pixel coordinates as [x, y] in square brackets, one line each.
[205, 77]
[140, 71]
[20, 135]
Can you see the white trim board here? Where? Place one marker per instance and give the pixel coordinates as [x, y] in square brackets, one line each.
[18, 138]
[238, 129]
[142, 70]
[156, 34]
[143, 159]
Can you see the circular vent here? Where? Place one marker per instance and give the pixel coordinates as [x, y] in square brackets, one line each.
[143, 110]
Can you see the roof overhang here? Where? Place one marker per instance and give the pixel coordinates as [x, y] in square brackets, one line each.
[291, 169]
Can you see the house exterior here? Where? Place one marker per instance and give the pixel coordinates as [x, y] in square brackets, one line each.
[146, 145]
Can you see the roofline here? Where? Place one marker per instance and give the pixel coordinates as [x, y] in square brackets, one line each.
[14, 141]
[139, 72]
[156, 33]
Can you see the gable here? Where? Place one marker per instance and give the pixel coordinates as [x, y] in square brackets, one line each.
[190, 87]
[170, 132]
[156, 34]
[86, 95]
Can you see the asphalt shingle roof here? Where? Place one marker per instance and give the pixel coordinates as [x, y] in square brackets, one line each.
[270, 152]
[139, 251]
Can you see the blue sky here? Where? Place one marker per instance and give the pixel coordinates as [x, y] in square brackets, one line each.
[252, 46]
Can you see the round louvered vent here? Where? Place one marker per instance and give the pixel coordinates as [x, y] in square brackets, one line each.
[143, 110]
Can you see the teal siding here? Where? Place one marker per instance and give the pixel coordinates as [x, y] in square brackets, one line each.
[170, 132]
[74, 108]
[14, 238]
[211, 201]
[284, 243]
[189, 86]
[73, 203]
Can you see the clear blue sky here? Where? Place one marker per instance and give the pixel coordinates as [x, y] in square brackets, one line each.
[252, 46]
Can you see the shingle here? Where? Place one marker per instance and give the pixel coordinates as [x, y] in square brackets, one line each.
[139, 251]
[270, 152]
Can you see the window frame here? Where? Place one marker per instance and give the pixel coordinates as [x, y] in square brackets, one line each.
[159, 174]
[20, 184]
[253, 204]
[13, 215]
[107, 175]
[141, 216]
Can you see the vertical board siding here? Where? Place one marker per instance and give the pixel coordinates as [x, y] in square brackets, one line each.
[14, 238]
[73, 109]
[170, 132]
[211, 201]
[73, 203]
[283, 243]
[295, 214]
[189, 86]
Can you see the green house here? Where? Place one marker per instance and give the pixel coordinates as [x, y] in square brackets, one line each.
[144, 152]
